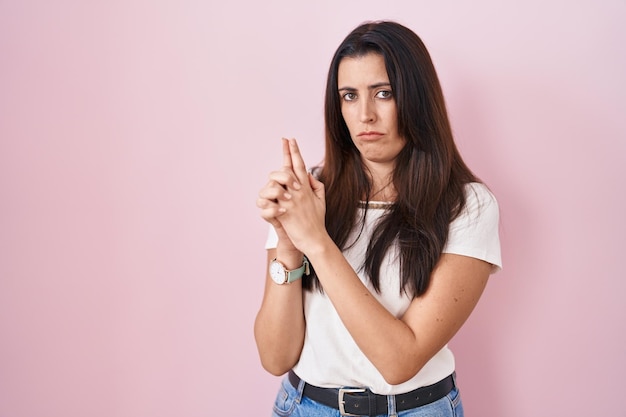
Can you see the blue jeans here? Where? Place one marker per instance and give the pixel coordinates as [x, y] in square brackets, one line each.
[291, 403]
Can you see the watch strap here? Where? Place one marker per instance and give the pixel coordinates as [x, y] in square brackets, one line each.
[296, 274]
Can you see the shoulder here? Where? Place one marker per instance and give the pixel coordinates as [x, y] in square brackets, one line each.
[479, 201]
[479, 192]
[316, 171]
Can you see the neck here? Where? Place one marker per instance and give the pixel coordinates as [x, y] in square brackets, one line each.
[385, 192]
[381, 177]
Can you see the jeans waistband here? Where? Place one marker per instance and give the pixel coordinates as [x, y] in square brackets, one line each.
[363, 402]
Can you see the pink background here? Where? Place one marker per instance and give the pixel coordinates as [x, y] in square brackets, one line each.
[134, 136]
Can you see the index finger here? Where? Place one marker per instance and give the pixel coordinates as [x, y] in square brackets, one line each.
[299, 168]
[286, 154]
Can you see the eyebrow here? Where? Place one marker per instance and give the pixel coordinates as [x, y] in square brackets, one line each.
[370, 87]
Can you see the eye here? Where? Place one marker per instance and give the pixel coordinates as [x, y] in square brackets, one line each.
[349, 96]
[384, 94]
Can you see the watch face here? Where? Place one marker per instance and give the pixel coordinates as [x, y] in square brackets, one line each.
[277, 272]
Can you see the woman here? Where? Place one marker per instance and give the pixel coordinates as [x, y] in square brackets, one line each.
[378, 257]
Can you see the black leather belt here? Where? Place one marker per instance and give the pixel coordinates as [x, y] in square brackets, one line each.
[363, 402]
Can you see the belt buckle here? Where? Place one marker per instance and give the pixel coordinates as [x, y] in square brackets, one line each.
[342, 402]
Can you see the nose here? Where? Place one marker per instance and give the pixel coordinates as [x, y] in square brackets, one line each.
[367, 111]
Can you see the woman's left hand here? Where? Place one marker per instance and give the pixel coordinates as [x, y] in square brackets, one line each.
[303, 212]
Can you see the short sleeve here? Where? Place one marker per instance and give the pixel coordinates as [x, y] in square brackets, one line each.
[475, 232]
[272, 238]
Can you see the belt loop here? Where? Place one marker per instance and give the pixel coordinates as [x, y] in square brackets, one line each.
[454, 379]
[391, 405]
[371, 399]
[300, 390]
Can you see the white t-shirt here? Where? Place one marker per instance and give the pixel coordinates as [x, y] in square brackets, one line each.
[330, 358]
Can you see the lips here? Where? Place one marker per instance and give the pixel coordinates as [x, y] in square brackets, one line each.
[369, 135]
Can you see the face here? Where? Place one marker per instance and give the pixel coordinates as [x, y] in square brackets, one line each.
[369, 109]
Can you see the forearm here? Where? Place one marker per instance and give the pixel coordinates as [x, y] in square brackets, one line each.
[279, 326]
[387, 342]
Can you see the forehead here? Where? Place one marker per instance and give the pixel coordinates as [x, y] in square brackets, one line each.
[362, 71]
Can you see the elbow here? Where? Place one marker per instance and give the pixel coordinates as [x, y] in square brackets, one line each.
[277, 361]
[276, 367]
[400, 374]
[396, 378]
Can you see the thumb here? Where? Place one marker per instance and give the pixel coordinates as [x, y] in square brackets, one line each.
[318, 188]
[274, 222]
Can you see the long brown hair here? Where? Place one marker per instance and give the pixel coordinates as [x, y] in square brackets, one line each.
[429, 174]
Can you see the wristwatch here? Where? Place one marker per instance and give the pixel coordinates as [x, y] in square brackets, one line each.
[280, 275]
